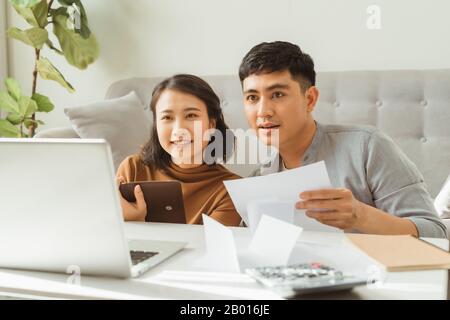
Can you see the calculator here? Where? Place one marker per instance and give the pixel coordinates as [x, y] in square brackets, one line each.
[298, 279]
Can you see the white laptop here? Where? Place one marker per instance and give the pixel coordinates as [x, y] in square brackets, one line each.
[60, 210]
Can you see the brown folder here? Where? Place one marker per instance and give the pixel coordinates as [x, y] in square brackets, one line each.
[401, 253]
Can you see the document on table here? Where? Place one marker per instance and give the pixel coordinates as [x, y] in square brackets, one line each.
[276, 242]
[276, 194]
[271, 245]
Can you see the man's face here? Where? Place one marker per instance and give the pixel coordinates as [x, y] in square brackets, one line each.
[276, 106]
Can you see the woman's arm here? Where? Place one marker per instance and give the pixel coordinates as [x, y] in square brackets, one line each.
[226, 213]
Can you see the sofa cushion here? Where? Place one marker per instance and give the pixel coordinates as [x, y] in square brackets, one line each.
[121, 121]
[57, 133]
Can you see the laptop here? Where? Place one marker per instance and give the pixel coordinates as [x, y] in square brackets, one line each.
[60, 210]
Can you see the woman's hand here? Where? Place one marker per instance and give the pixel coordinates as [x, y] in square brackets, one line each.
[133, 211]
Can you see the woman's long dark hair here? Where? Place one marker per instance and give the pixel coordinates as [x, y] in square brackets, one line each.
[152, 153]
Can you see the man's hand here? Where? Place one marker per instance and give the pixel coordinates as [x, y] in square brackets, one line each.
[133, 211]
[334, 207]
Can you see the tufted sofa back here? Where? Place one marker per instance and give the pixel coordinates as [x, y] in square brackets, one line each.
[412, 107]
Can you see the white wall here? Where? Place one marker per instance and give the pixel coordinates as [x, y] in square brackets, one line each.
[204, 37]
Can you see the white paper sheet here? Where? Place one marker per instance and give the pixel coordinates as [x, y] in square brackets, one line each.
[220, 246]
[285, 211]
[281, 210]
[285, 186]
[310, 224]
[272, 244]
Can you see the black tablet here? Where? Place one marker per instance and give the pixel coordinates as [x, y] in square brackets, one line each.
[164, 200]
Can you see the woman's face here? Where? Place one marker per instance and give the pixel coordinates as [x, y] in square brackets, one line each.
[182, 125]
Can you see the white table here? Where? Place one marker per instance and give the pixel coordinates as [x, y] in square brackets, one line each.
[179, 278]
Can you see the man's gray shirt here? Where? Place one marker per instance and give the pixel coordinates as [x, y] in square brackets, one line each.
[372, 166]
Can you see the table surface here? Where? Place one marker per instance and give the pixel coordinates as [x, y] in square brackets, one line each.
[180, 278]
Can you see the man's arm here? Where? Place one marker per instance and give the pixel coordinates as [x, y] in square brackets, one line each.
[346, 212]
[398, 187]
[402, 203]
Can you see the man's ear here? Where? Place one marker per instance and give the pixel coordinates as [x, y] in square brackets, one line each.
[312, 95]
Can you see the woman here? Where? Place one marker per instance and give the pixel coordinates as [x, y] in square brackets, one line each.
[187, 119]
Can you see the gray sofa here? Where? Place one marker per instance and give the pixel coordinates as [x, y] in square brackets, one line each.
[413, 107]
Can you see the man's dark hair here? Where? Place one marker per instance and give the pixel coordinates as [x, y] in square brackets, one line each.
[275, 56]
[153, 154]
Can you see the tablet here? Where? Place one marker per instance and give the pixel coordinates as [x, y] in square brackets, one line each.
[164, 200]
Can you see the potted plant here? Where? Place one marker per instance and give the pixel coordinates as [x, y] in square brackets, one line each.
[76, 43]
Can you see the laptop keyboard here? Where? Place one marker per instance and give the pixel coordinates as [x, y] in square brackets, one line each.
[140, 256]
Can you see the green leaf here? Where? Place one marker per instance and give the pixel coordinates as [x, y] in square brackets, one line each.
[35, 37]
[49, 72]
[8, 103]
[13, 88]
[24, 3]
[58, 11]
[80, 22]
[30, 122]
[79, 52]
[43, 103]
[27, 106]
[49, 44]
[14, 118]
[35, 14]
[67, 2]
[7, 129]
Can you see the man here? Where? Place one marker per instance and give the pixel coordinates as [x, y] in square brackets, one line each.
[380, 191]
